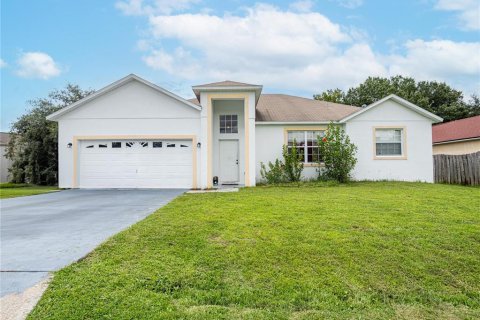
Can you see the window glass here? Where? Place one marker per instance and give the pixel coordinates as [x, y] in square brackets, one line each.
[116, 144]
[306, 143]
[129, 144]
[170, 145]
[388, 142]
[157, 144]
[229, 123]
[102, 145]
[144, 144]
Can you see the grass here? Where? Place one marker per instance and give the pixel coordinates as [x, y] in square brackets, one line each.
[12, 190]
[364, 250]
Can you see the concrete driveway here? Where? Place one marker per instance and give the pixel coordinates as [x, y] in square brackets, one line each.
[46, 232]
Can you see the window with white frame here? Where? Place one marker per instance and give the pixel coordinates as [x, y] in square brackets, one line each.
[306, 143]
[389, 142]
[229, 123]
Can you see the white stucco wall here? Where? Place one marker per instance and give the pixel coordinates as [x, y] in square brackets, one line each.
[4, 165]
[133, 109]
[269, 142]
[418, 166]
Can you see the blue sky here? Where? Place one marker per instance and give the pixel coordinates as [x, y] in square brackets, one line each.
[295, 47]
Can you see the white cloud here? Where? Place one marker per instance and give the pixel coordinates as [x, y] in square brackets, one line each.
[468, 12]
[141, 7]
[302, 6]
[350, 4]
[440, 59]
[37, 65]
[291, 50]
[2, 63]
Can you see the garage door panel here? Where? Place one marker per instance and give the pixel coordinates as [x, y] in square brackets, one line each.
[137, 166]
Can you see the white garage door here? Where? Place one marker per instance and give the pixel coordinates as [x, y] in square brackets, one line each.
[135, 164]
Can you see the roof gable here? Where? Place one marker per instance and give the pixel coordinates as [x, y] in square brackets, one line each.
[434, 118]
[113, 86]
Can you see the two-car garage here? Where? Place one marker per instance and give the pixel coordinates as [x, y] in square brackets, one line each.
[135, 163]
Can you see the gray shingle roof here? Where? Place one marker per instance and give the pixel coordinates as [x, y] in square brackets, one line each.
[226, 83]
[286, 108]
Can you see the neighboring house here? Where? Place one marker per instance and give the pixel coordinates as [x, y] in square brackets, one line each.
[457, 137]
[134, 134]
[4, 162]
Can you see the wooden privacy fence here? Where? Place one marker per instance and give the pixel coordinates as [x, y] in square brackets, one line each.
[457, 169]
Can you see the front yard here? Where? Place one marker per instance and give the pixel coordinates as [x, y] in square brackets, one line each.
[11, 190]
[363, 250]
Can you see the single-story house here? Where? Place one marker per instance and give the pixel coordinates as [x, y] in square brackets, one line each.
[135, 134]
[5, 163]
[457, 137]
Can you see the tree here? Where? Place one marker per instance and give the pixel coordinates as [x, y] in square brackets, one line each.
[331, 95]
[436, 97]
[337, 154]
[33, 145]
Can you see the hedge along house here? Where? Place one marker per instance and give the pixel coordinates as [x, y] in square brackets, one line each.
[134, 134]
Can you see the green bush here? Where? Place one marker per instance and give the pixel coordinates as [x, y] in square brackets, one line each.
[288, 170]
[293, 163]
[274, 174]
[337, 154]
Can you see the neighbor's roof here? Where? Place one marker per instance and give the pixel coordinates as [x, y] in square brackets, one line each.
[467, 128]
[286, 108]
[4, 138]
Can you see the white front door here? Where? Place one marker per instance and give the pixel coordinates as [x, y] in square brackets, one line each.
[229, 161]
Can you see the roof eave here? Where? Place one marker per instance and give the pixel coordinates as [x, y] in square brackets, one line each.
[295, 122]
[257, 89]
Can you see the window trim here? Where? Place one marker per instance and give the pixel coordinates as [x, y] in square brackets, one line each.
[317, 128]
[403, 141]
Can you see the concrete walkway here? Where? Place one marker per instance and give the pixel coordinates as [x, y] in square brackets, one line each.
[44, 233]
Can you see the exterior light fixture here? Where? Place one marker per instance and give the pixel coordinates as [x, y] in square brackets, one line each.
[69, 145]
[199, 145]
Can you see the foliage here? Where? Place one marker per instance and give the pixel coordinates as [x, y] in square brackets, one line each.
[338, 154]
[436, 97]
[331, 95]
[363, 250]
[293, 163]
[33, 146]
[275, 172]
[288, 170]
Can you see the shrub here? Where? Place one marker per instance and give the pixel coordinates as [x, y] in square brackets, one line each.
[337, 154]
[274, 174]
[293, 163]
[288, 170]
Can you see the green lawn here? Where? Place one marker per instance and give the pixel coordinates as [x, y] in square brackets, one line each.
[359, 251]
[10, 190]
